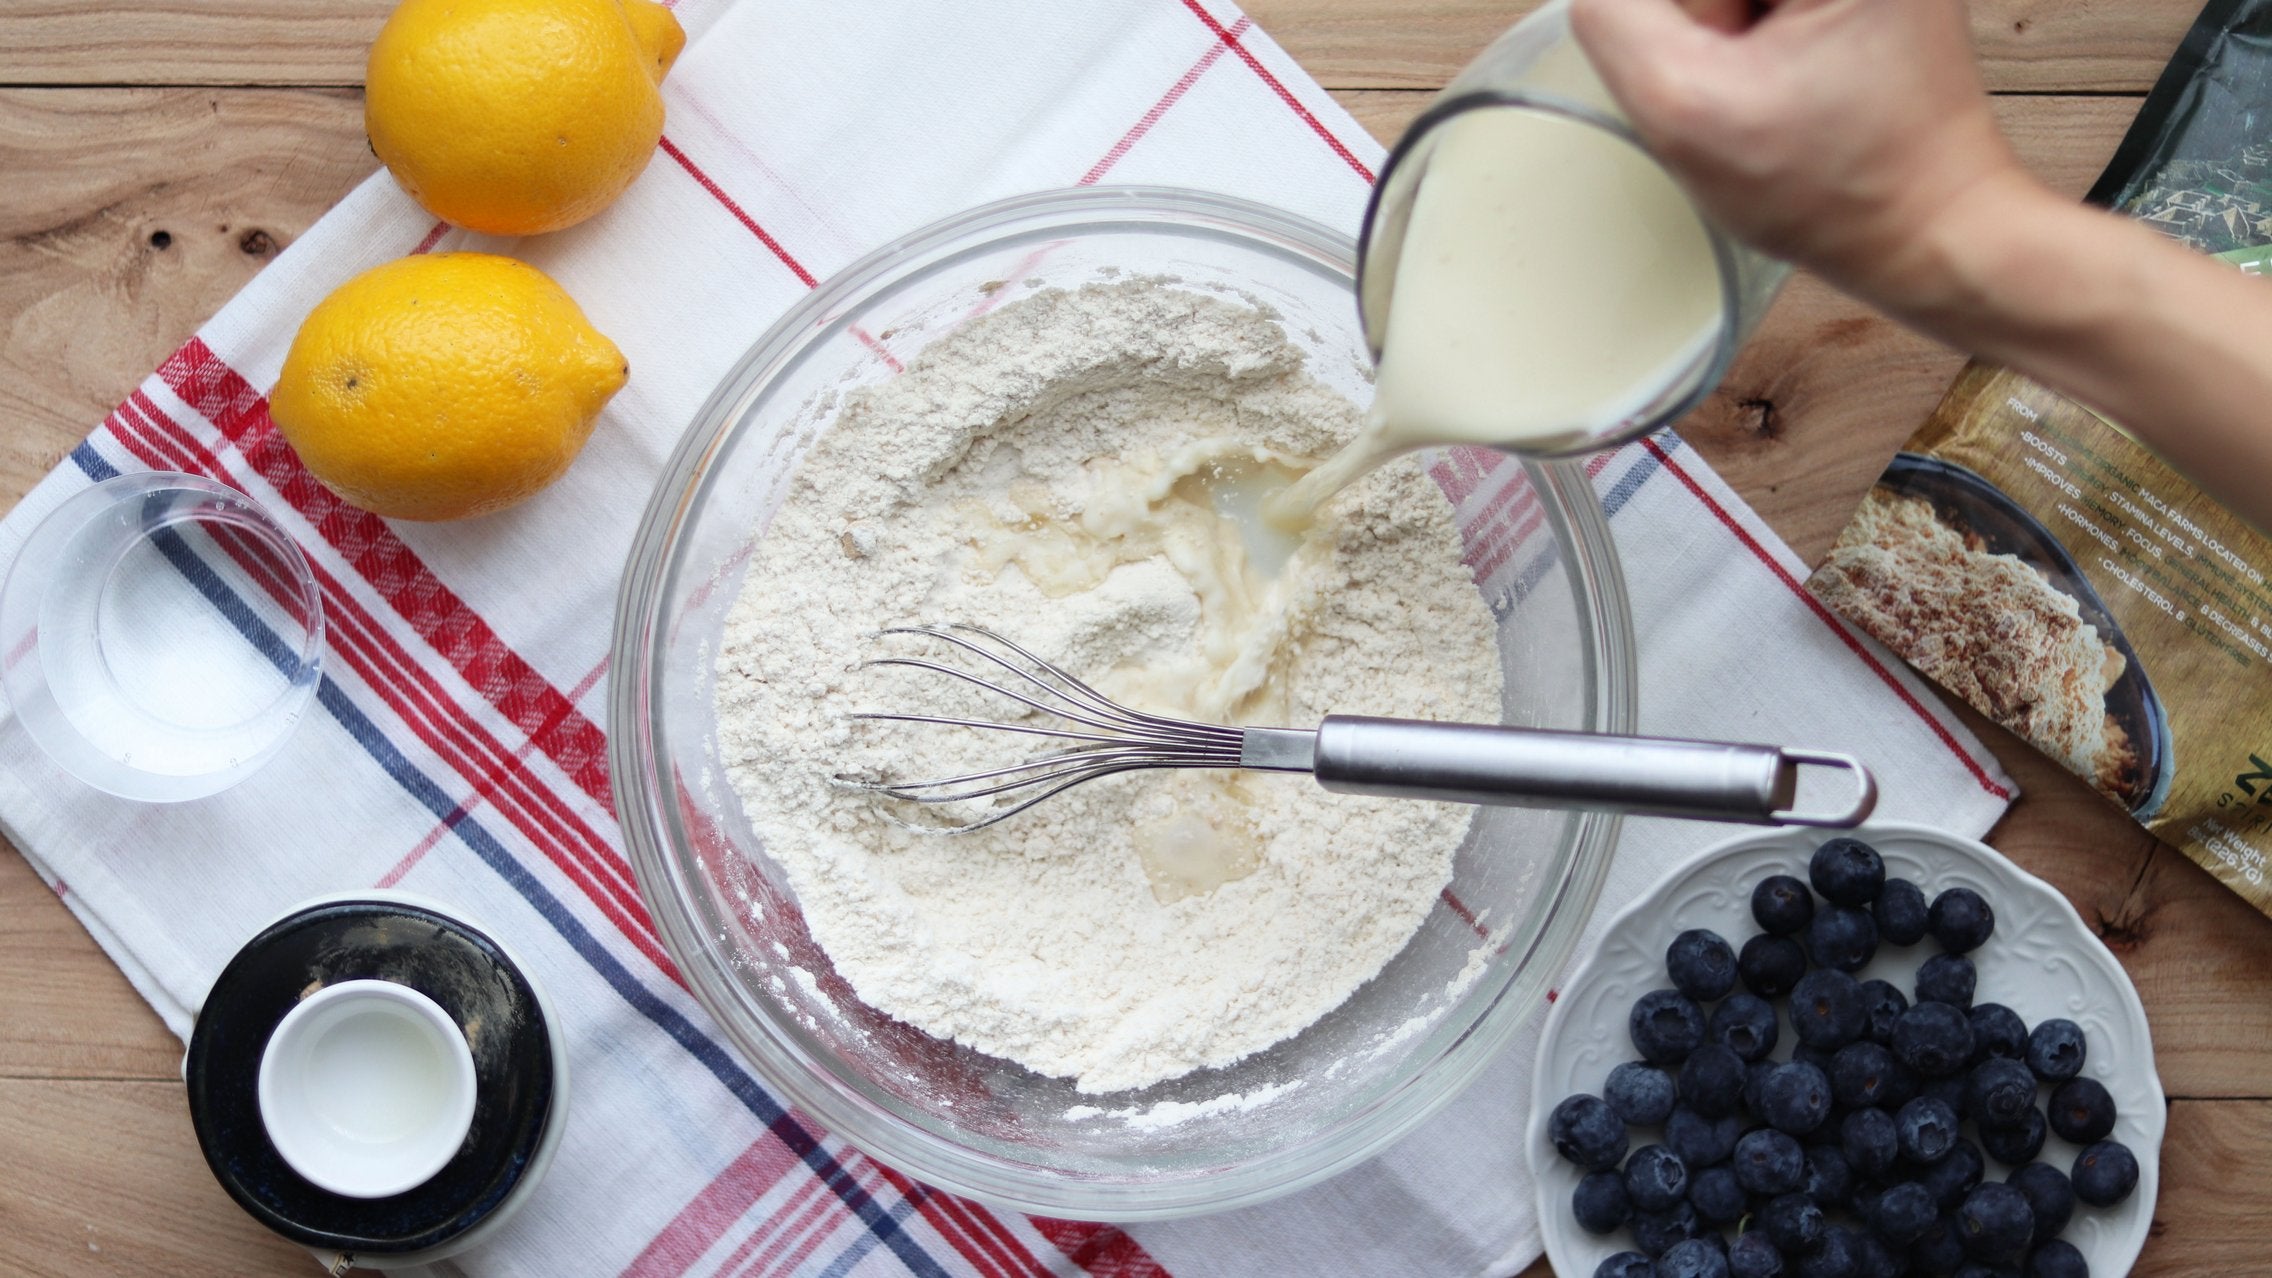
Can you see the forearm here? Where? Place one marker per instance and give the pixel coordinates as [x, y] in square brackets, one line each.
[2174, 346]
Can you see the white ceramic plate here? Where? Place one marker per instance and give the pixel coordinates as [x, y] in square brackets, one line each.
[2042, 962]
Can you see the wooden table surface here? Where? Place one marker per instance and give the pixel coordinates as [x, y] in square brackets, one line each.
[157, 154]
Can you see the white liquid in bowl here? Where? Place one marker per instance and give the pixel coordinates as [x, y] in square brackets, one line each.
[367, 1088]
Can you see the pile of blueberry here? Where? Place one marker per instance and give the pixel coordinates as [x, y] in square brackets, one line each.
[1850, 1160]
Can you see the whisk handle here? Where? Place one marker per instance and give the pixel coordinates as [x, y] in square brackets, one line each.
[1531, 767]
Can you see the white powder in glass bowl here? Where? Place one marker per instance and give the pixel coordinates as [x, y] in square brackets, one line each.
[1053, 471]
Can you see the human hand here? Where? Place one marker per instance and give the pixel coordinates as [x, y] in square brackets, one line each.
[1848, 136]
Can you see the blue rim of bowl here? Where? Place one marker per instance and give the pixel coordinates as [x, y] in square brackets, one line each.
[656, 836]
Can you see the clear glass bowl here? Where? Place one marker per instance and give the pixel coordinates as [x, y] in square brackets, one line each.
[971, 1124]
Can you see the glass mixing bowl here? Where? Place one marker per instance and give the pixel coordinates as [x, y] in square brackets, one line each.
[1343, 1089]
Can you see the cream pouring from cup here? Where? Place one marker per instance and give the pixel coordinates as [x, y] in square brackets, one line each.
[1531, 279]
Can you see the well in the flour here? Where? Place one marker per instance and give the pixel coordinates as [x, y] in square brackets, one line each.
[1080, 470]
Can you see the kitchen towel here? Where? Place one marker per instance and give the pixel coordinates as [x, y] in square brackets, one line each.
[458, 745]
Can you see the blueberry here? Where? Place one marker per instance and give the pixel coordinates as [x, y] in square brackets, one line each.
[1997, 1031]
[1996, 1223]
[1655, 1232]
[1981, 1269]
[1792, 1222]
[2000, 1093]
[1717, 1196]
[1809, 1054]
[2055, 1050]
[1754, 1078]
[1951, 1091]
[1781, 904]
[1699, 1141]
[1954, 1176]
[1797, 1098]
[1842, 937]
[1862, 1074]
[2058, 1259]
[1904, 1212]
[1882, 1005]
[2105, 1173]
[1600, 1202]
[1754, 1256]
[1626, 1264]
[1655, 1178]
[1640, 1094]
[1874, 1257]
[1947, 978]
[1871, 1141]
[1585, 1131]
[1702, 965]
[2049, 1194]
[2015, 1143]
[1935, 1039]
[1838, 1255]
[1770, 966]
[2081, 1111]
[1830, 1178]
[1928, 1130]
[1711, 1081]
[1900, 913]
[1769, 1163]
[1827, 1009]
[1847, 872]
[1695, 1258]
[1961, 920]
[1744, 1024]
[1666, 1026]
[1939, 1251]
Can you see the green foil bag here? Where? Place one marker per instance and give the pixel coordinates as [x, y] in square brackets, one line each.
[2035, 560]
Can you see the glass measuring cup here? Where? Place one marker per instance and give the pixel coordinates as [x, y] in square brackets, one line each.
[1537, 67]
[160, 636]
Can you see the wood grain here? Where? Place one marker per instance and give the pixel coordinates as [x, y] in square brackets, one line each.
[2035, 46]
[103, 1176]
[2092, 46]
[226, 42]
[128, 217]
[65, 1012]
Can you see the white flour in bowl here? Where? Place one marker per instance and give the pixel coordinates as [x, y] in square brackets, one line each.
[1053, 471]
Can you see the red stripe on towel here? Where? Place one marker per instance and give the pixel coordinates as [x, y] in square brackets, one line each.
[457, 633]
[410, 693]
[1285, 95]
[1837, 627]
[741, 215]
[1175, 91]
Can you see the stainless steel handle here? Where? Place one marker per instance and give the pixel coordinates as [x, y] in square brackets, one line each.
[1531, 767]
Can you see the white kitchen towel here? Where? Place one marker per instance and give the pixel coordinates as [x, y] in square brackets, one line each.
[458, 748]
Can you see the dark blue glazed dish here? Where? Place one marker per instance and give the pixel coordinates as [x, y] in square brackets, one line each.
[468, 975]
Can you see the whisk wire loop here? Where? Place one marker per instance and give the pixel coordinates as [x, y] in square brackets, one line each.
[1123, 740]
[1060, 684]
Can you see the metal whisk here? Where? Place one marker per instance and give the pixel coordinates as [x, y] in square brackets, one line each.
[1349, 754]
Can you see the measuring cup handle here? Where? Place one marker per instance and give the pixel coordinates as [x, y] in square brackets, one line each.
[1532, 767]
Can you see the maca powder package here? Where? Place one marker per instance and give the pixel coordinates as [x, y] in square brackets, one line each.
[2036, 561]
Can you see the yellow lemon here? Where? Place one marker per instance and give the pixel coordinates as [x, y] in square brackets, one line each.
[515, 117]
[444, 386]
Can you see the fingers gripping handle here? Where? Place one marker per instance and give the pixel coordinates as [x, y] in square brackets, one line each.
[1528, 767]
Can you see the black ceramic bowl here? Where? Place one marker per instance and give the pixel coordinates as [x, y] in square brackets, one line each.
[516, 1076]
